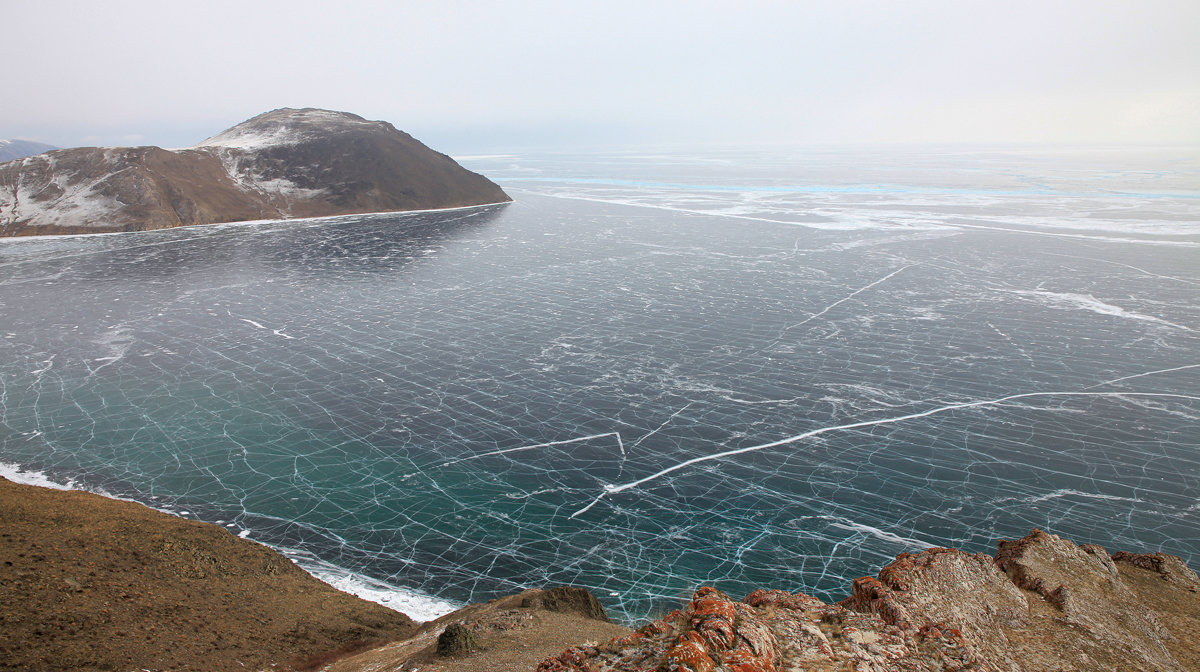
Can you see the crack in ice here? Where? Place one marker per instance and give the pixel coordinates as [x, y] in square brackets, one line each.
[611, 489]
[835, 304]
[1139, 375]
[537, 445]
[657, 429]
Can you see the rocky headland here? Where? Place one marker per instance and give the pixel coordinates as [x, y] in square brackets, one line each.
[282, 164]
[90, 583]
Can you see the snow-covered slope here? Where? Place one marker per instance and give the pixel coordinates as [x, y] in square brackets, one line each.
[289, 126]
[281, 164]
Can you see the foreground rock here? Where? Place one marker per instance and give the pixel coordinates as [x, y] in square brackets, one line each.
[510, 634]
[1043, 603]
[281, 164]
[90, 583]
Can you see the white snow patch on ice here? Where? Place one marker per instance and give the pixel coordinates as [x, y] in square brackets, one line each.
[18, 474]
[1072, 301]
[418, 606]
[1057, 494]
[881, 534]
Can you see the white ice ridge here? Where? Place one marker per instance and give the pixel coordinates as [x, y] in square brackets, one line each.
[1067, 300]
[616, 435]
[277, 332]
[656, 429]
[611, 489]
[1082, 236]
[690, 211]
[1067, 492]
[881, 534]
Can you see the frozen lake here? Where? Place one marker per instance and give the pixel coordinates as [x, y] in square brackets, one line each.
[650, 372]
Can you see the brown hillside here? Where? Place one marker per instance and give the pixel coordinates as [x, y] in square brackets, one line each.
[281, 164]
[90, 583]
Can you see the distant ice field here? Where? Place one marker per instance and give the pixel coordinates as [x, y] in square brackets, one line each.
[1154, 193]
[650, 372]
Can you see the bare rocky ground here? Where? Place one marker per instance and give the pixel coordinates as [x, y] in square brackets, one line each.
[91, 583]
[511, 634]
[1041, 604]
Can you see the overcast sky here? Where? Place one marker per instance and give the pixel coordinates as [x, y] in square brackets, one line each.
[487, 75]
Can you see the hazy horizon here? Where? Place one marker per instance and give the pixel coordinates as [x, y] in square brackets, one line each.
[465, 76]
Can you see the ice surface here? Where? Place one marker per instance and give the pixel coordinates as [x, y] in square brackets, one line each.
[1072, 301]
[17, 474]
[423, 401]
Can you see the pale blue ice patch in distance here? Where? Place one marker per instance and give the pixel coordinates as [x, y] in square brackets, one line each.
[856, 189]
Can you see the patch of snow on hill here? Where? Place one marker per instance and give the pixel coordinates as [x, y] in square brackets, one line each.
[78, 204]
[284, 127]
[254, 138]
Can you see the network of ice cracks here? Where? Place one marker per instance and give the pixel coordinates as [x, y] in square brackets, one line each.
[599, 385]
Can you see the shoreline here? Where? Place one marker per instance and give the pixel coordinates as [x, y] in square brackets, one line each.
[418, 606]
[252, 222]
[91, 582]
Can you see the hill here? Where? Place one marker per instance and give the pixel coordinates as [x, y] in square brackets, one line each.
[19, 149]
[282, 164]
[91, 583]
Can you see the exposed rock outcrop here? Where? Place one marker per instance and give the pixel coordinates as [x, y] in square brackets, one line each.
[456, 640]
[509, 634]
[281, 164]
[1043, 603]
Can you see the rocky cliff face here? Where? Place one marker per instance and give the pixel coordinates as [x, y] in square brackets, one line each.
[1042, 603]
[282, 164]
